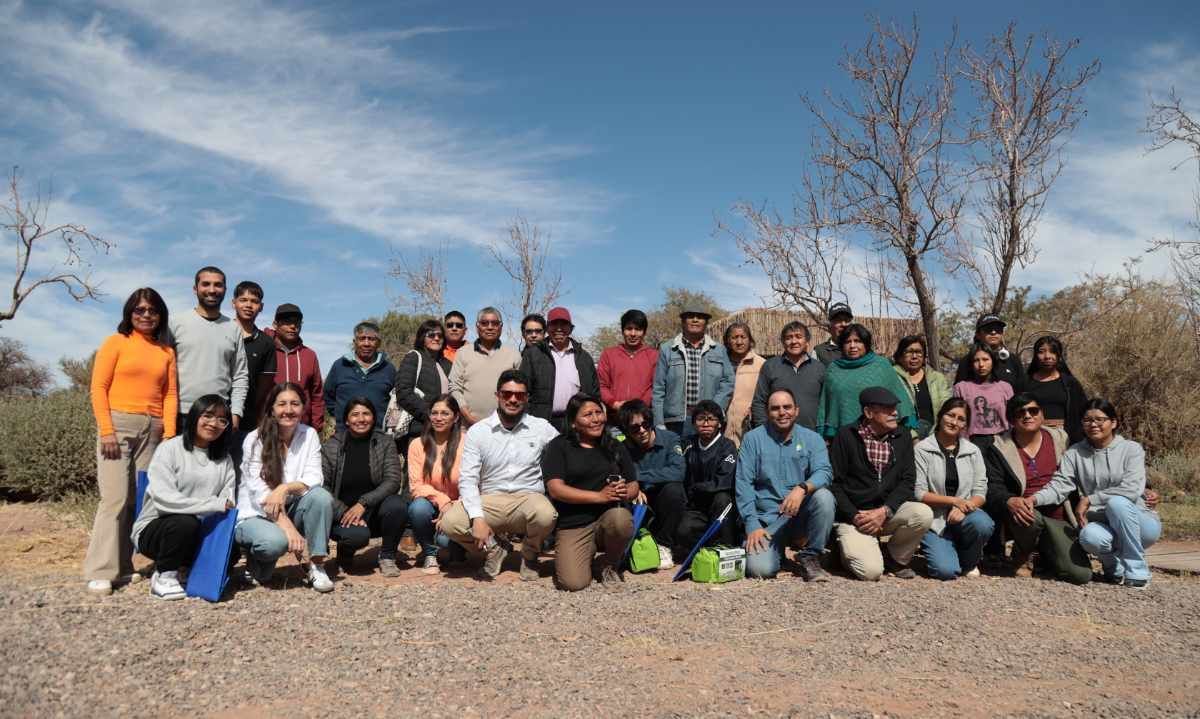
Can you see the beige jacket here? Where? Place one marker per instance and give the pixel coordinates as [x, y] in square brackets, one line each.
[474, 373]
[745, 379]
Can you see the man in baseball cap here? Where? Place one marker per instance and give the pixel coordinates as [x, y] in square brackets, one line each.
[989, 330]
[873, 484]
[294, 362]
[840, 316]
[557, 368]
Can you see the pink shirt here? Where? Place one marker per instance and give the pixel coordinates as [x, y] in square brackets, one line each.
[566, 378]
[987, 403]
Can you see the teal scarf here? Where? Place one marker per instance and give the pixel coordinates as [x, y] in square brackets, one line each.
[845, 379]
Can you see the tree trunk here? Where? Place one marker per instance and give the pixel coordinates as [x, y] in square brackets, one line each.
[925, 303]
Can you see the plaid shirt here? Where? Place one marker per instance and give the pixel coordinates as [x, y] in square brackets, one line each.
[879, 451]
[691, 361]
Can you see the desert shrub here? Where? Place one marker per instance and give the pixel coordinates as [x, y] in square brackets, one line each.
[1174, 473]
[48, 445]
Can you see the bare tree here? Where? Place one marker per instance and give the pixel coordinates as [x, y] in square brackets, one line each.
[889, 150]
[26, 220]
[1029, 103]
[523, 256]
[1169, 124]
[425, 280]
[802, 256]
[20, 375]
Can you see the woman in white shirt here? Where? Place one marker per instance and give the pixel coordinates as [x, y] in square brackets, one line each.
[282, 506]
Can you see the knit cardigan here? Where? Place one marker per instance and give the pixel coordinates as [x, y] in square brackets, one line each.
[845, 379]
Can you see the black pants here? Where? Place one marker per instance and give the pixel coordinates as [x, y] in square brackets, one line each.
[171, 541]
[387, 520]
[669, 502]
[702, 509]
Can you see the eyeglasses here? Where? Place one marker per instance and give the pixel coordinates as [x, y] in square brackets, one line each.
[455, 325]
[139, 311]
[489, 323]
[510, 394]
[915, 353]
[1096, 420]
[1030, 411]
[706, 419]
[535, 331]
[214, 420]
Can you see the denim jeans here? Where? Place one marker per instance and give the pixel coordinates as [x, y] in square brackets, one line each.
[1118, 535]
[814, 521]
[421, 516]
[958, 549]
[265, 542]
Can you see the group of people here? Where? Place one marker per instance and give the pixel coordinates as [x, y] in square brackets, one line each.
[474, 445]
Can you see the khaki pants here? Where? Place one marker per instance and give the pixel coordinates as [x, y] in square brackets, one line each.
[110, 551]
[575, 548]
[527, 513]
[861, 553]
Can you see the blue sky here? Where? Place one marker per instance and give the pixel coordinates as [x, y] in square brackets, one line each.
[303, 146]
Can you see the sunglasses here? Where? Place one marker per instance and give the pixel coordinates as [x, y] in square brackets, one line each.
[455, 325]
[433, 335]
[1095, 420]
[139, 311]
[637, 428]
[510, 394]
[1030, 411]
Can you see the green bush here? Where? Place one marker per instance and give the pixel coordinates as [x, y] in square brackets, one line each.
[48, 445]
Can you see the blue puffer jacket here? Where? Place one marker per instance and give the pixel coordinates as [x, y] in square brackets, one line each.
[716, 379]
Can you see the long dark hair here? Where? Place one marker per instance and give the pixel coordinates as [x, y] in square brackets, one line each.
[854, 329]
[429, 440]
[1056, 346]
[150, 295]
[953, 403]
[607, 443]
[268, 435]
[219, 447]
[966, 368]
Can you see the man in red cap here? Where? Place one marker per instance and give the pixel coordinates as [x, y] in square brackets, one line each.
[557, 368]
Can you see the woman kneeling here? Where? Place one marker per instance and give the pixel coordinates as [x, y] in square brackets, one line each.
[282, 506]
[190, 476]
[588, 475]
[952, 479]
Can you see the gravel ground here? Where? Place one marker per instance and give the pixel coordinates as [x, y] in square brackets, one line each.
[452, 646]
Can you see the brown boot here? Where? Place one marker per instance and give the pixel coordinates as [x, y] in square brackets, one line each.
[1021, 563]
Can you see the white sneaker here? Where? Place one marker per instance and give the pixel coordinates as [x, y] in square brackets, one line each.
[165, 585]
[99, 586]
[430, 565]
[319, 580]
[665, 560]
[973, 574]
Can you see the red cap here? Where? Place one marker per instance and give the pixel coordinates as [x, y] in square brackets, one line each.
[558, 313]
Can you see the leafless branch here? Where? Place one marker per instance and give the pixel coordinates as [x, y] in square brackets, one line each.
[425, 279]
[1028, 104]
[26, 220]
[523, 256]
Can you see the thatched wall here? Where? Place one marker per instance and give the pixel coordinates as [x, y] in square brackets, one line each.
[765, 324]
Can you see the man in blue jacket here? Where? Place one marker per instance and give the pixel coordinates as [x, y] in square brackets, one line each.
[365, 372]
[658, 454]
[782, 489]
[691, 367]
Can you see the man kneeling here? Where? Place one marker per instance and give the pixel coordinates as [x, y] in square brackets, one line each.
[874, 475]
[500, 482]
[782, 479]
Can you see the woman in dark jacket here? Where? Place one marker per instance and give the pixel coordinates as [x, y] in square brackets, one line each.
[711, 460]
[1059, 394]
[422, 375]
[370, 496]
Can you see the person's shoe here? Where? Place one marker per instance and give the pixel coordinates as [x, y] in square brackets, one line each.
[137, 577]
[610, 577]
[1137, 583]
[345, 559]
[529, 568]
[665, 559]
[318, 579]
[455, 554]
[430, 565]
[101, 587]
[165, 585]
[1022, 564]
[897, 570]
[810, 569]
[493, 561]
[973, 574]
[1107, 578]
[388, 567]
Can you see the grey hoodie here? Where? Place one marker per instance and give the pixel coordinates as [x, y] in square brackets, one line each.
[1118, 470]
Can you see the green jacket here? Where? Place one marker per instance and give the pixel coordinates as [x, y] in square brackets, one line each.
[939, 392]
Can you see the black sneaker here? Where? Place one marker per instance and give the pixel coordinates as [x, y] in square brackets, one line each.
[1107, 578]
[1137, 583]
[345, 559]
[810, 570]
[894, 568]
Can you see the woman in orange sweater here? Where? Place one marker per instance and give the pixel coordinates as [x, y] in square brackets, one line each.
[135, 402]
[433, 463]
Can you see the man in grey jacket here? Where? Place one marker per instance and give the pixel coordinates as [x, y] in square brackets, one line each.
[691, 367]
[796, 371]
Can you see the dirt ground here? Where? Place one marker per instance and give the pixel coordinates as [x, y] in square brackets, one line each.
[452, 646]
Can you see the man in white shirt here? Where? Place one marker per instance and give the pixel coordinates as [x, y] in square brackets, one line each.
[500, 481]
